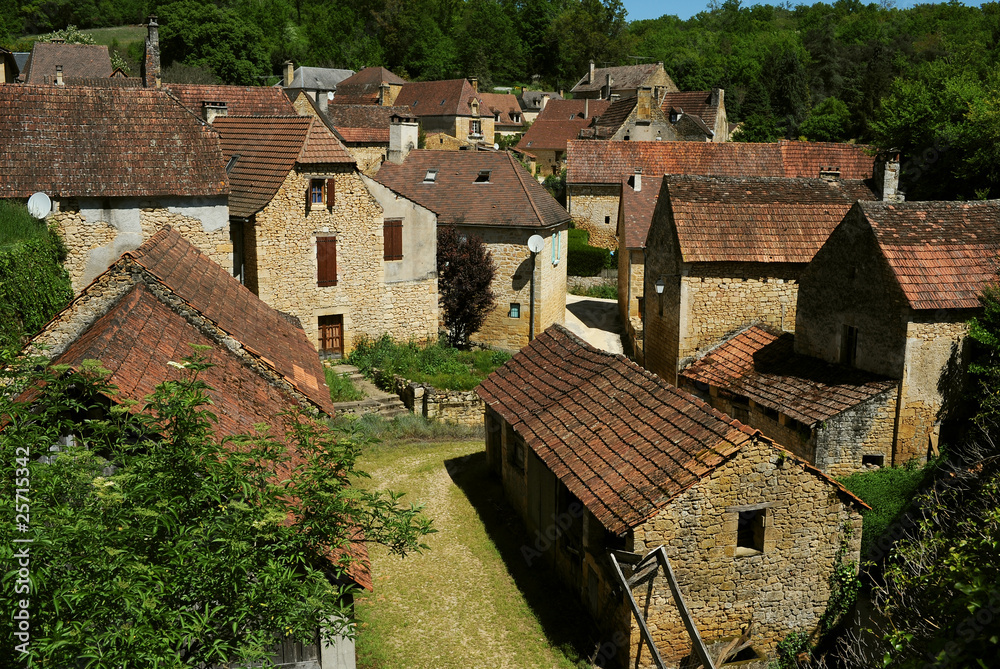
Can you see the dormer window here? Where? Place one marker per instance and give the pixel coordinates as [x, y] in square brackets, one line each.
[232, 162]
[483, 177]
[431, 176]
[496, 117]
[516, 118]
[475, 108]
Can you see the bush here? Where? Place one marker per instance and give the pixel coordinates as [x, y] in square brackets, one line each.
[406, 426]
[17, 225]
[582, 259]
[888, 491]
[439, 364]
[341, 387]
[605, 291]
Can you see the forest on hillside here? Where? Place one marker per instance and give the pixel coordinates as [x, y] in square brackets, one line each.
[924, 80]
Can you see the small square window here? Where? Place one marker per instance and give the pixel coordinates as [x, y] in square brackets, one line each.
[515, 310]
[316, 191]
[750, 532]
[607, 220]
[431, 176]
[873, 460]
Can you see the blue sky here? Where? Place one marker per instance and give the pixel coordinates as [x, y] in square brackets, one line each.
[654, 9]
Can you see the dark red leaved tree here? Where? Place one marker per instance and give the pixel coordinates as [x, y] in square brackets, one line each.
[465, 272]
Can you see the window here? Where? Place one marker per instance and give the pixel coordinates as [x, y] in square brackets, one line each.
[516, 118]
[431, 176]
[515, 310]
[770, 413]
[496, 117]
[515, 449]
[326, 261]
[321, 191]
[872, 460]
[483, 177]
[475, 128]
[316, 191]
[750, 532]
[331, 335]
[392, 229]
[849, 345]
[607, 220]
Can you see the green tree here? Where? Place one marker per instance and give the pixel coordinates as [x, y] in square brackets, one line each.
[489, 45]
[829, 121]
[157, 545]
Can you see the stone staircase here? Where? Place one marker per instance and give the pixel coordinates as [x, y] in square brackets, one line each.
[376, 400]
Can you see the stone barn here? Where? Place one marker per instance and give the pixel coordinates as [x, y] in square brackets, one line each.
[598, 457]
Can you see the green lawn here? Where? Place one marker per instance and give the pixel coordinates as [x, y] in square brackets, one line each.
[470, 601]
[124, 34]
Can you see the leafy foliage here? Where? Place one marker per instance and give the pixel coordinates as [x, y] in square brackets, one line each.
[582, 259]
[604, 291]
[437, 364]
[465, 272]
[341, 387]
[156, 545]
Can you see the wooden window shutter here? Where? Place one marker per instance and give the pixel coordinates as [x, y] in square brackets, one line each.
[326, 261]
[331, 193]
[392, 230]
[308, 197]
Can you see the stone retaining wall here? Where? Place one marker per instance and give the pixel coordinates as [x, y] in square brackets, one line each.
[459, 407]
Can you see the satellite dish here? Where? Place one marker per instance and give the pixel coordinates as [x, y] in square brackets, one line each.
[39, 205]
[496, 147]
[329, 96]
[535, 243]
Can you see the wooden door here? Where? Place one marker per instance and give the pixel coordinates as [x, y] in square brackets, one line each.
[331, 335]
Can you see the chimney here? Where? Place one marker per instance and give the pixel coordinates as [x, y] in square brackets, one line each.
[475, 85]
[383, 94]
[590, 77]
[151, 61]
[59, 79]
[586, 108]
[829, 172]
[289, 73]
[403, 132]
[644, 104]
[637, 180]
[545, 101]
[886, 176]
[608, 87]
[209, 110]
[716, 98]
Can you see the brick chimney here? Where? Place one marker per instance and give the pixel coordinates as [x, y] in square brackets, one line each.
[289, 73]
[886, 176]
[151, 61]
[607, 87]
[590, 77]
[59, 76]
[403, 132]
[545, 101]
[475, 85]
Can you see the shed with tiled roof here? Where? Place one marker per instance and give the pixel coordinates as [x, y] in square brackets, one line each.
[725, 252]
[891, 292]
[619, 460]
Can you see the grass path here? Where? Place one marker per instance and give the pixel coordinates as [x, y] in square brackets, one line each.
[456, 605]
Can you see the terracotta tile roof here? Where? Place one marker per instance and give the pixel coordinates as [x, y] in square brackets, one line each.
[511, 197]
[637, 211]
[74, 141]
[623, 440]
[695, 103]
[240, 100]
[363, 123]
[259, 328]
[77, 60]
[615, 114]
[622, 77]
[551, 135]
[609, 162]
[366, 99]
[362, 88]
[942, 253]
[101, 82]
[266, 149]
[760, 363]
[372, 75]
[560, 110]
[757, 219]
[450, 97]
[504, 103]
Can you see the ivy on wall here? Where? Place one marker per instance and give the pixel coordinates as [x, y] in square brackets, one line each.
[34, 286]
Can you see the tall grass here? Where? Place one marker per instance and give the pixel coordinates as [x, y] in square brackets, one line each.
[603, 291]
[436, 364]
[405, 427]
[17, 225]
[341, 387]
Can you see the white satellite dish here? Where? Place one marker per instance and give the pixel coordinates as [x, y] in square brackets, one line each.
[536, 243]
[39, 205]
[496, 147]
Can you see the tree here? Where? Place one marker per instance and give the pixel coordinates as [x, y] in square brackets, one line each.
[829, 121]
[465, 272]
[156, 545]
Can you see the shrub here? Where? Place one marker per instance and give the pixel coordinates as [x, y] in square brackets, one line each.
[605, 291]
[406, 426]
[438, 364]
[341, 387]
[17, 225]
[582, 259]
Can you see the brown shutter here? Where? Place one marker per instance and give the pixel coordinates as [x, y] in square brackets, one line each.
[331, 193]
[309, 197]
[326, 261]
[392, 230]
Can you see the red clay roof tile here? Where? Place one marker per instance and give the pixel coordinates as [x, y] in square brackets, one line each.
[637, 210]
[239, 100]
[450, 97]
[695, 103]
[77, 60]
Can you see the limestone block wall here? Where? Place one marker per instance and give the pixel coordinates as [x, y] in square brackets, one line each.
[369, 156]
[98, 230]
[783, 589]
[594, 208]
[512, 283]
[286, 270]
[459, 407]
[631, 270]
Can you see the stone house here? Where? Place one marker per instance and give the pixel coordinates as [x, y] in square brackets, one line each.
[312, 239]
[839, 418]
[636, 118]
[595, 170]
[118, 164]
[697, 116]
[600, 457]
[9, 69]
[533, 102]
[52, 61]
[506, 112]
[211, 101]
[624, 81]
[365, 131]
[452, 106]
[490, 195]
[638, 202]
[142, 313]
[369, 86]
[722, 253]
[890, 293]
[319, 83]
[558, 122]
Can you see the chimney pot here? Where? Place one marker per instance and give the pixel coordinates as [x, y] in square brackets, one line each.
[637, 180]
[289, 73]
[545, 101]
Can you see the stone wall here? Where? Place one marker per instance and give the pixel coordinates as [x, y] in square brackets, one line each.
[512, 283]
[98, 230]
[459, 407]
[783, 589]
[369, 156]
[594, 208]
[284, 243]
[631, 271]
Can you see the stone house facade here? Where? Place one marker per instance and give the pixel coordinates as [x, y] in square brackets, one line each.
[314, 242]
[890, 293]
[722, 253]
[558, 122]
[506, 112]
[453, 107]
[637, 204]
[94, 137]
[697, 116]
[533, 102]
[636, 118]
[595, 170]
[624, 81]
[611, 459]
[491, 196]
